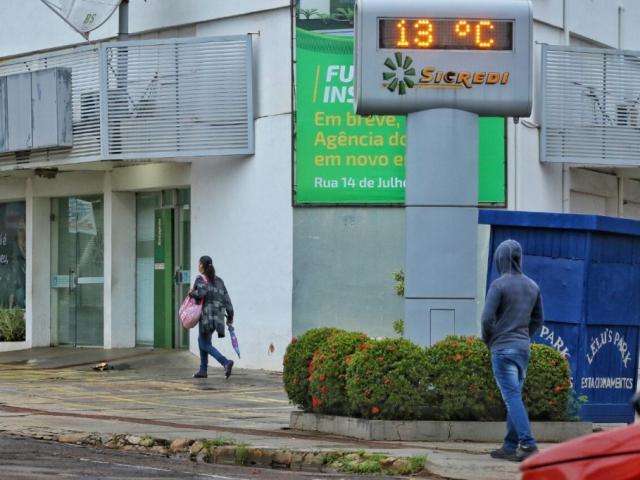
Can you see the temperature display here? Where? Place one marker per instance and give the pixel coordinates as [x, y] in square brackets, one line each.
[445, 34]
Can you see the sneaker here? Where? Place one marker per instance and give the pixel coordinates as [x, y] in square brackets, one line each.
[524, 452]
[200, 374]
[504, 454]
[227, 368]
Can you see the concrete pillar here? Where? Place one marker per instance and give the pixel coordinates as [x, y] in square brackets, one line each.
[119, 267]
[442, 225]
[38, 269]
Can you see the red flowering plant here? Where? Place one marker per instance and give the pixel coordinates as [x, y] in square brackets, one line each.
[328, 371]
[297, 364]
[547, 389]
[459, 373]
[459, 369]
[386, 381]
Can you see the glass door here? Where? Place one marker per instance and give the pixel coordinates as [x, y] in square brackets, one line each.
[169, 258]
[182, 262]
[77, 271]
[146, 205]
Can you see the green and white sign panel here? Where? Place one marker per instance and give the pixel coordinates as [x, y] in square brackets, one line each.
[343, 158]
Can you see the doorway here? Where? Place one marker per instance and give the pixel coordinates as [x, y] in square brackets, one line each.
[163, 266]
[77, 271]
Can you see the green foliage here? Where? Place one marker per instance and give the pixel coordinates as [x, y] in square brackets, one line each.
[342, 373]
[297, 360]
[217, 442]
[12, 325]
[345, 14]
[399, 286]
[328, 371]
[547, 389]
[416, 464]
[398, 327]
[460, 369]
[241, 455]
[307, 13]
[362, 463]
[459, 374]
[575, 404]
[386, 380]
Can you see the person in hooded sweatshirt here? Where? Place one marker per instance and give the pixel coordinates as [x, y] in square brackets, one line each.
[511, 317]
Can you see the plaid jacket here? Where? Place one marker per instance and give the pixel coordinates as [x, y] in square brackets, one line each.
[217, 305]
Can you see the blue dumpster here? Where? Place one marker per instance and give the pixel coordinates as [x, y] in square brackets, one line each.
[588, 269]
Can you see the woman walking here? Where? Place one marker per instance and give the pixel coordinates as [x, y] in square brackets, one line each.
[211, 288]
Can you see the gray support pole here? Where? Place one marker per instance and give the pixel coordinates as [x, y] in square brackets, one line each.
[442, 219]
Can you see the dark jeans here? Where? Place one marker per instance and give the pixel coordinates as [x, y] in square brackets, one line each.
[510, 370]
[206, 349]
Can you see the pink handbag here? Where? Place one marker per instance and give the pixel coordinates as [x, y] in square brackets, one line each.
[190, 311]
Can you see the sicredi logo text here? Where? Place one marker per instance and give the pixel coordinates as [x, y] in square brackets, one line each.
[431, 77]
[400, 75]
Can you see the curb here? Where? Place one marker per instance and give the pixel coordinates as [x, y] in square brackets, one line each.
[430, 431]
[226, 452]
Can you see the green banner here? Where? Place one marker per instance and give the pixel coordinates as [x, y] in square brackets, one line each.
[343, 158]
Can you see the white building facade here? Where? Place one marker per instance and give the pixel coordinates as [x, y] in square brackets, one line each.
[93, 273]
[111, 243]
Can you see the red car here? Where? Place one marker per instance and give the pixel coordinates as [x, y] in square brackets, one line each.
[612, 455]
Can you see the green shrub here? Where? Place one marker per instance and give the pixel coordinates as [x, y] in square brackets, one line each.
[342, 373]
[547, 389]
[386, 381]
[328, 371]
[12, 325]
[459, 372]
[296, 364]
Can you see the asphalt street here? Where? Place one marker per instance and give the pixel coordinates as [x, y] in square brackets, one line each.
[23, 458]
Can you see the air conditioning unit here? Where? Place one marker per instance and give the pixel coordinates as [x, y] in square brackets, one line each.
[36, 111]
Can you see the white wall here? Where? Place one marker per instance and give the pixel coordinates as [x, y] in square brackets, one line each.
[154, 14]
[323, 6]
[535, 186]
[242, 218]
[29, 25]
[119, 267]
[596, 19]
[158, 176]
[12, 188]
[38, 269]
[241, 208]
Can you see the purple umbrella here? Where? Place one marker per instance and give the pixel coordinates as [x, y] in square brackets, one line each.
[234, 339]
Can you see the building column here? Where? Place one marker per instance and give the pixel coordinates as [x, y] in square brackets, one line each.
[38, 269]
[119, 267]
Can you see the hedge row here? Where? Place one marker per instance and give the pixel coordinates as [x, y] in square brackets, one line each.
[343, 373]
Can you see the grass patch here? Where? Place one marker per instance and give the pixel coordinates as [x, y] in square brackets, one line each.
[241, 454]
[362, 463]
[417, 463]
[331, 457]
[218, 442]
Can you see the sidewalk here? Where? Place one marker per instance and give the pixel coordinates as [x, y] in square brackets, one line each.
[48, 392]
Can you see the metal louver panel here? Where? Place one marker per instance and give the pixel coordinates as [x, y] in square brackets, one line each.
[85, 67]
[177, 98]
[590, 106]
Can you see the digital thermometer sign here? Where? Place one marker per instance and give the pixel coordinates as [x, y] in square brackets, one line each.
[414, 55]
[445, 34]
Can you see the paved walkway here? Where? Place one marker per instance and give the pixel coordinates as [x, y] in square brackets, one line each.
[46, 392]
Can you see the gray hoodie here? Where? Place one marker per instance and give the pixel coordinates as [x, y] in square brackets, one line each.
[513, 310]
